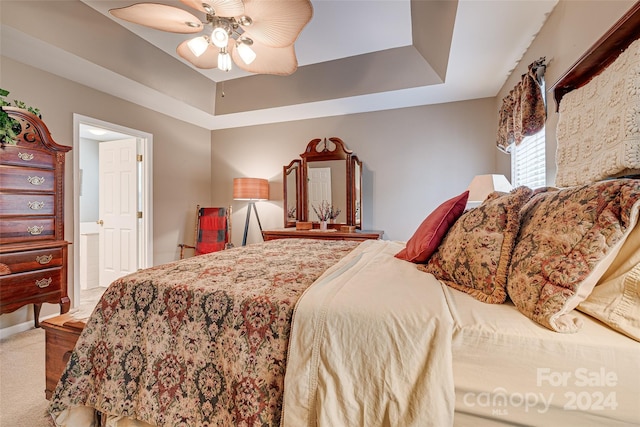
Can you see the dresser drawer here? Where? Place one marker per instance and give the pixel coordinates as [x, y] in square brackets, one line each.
[33, 252]
[30, 286]
[25, 230]
[26, 179]
[27, 204]
[19, 262]
[20, 156]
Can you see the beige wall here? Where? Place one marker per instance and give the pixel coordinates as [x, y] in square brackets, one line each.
[181, 153]
[413, 160]
[571, 29]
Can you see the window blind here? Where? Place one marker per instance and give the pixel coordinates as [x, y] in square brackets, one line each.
[528, 162]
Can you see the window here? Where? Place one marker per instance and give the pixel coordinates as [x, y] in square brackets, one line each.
[528, 162]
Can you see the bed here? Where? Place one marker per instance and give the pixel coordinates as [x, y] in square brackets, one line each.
[522, 311]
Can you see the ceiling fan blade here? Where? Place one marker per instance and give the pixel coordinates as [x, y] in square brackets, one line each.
[160, 17]
[277, 23]
[209, 59]
[225, 8]
[280, 61]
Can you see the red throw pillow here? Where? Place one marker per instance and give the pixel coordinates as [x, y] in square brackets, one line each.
[430, 233]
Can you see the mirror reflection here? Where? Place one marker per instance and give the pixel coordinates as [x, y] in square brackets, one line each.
[357, 182]
[291, 190]
[326, 184]
[327, 180]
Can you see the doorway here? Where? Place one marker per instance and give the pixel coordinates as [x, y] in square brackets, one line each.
[90, 135]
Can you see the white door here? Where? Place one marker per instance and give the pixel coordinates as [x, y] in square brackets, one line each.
[319, 189]
[118, 210]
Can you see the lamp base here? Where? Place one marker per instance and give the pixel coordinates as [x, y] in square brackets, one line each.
[252, 205]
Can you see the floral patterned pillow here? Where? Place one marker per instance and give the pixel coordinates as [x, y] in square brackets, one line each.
[568, 238]
[474, 256]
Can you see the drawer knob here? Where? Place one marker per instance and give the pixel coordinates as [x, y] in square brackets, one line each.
[36, 206]
[43, 283]
[44, 259]
[36, 180]
[35, 229]
[25, 156]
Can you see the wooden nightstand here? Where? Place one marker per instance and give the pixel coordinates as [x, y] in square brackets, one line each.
[61, 334]
[289, 233]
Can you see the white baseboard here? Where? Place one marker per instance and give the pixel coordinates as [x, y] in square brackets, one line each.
[21, 327]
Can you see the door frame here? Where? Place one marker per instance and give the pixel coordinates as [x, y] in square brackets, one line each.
[145, 187]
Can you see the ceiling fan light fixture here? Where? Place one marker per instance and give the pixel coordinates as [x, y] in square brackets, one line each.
[224, 61]
[220, 36]
[246, 53]
[244, 20]
[269, 27]
[198, 45]
[208, 9]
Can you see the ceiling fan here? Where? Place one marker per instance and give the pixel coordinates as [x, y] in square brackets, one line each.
[257, 34]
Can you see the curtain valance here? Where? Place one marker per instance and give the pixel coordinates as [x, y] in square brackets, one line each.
[523, 111]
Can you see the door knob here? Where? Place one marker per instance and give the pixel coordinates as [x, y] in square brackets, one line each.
[99, 222]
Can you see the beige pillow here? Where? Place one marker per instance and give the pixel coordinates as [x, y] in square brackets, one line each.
[616, 298]
[568, 239]
[474, 256]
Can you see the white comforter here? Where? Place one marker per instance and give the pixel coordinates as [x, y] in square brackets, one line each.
[371, 346]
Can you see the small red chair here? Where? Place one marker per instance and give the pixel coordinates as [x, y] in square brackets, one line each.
[212, 233]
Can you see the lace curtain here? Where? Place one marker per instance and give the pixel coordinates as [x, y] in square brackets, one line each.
[523, 111]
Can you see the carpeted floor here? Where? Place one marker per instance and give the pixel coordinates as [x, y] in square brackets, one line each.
[22, 372]
[22, 380]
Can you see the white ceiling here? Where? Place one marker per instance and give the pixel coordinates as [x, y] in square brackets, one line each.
[489, 38]
[98, 133]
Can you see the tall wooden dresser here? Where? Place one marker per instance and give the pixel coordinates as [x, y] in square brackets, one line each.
[33, 252]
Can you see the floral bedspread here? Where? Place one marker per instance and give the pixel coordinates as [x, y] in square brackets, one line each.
[198, 342]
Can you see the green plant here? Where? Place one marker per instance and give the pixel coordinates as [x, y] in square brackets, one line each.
[10, 128]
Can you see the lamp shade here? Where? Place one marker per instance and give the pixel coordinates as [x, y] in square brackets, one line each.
[198, 45]
[246, 53]
[483, 185]
[250, 189]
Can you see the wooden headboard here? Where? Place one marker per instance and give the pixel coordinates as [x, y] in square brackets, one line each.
[600, 55]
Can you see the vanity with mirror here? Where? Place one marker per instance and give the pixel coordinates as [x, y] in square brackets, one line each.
[327, 176]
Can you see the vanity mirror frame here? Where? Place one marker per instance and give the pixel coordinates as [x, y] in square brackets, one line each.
[292, 169]
[318, 150]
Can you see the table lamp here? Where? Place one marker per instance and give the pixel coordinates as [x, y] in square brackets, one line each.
[253, 190]
[483, 185]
